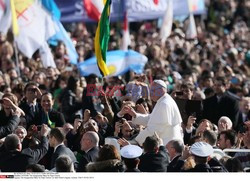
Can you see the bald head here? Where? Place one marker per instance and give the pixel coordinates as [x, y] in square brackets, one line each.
[93, 136]
[89, 140]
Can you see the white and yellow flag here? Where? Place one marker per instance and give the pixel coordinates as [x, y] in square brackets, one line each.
[32, 26]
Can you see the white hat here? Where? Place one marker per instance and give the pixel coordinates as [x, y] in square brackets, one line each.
[201, 149]
[131, 151]
[161, 83]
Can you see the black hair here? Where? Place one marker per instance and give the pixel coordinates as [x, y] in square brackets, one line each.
[57, 134]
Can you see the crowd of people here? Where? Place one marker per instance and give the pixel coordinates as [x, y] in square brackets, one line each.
[188, 112]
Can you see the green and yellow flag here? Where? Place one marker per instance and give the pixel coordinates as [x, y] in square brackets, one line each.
[102, 39]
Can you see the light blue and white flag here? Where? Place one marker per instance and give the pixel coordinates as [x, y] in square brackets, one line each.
[118, 62]
[61, 33]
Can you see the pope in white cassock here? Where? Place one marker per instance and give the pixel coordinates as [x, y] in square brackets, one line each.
[165, 118]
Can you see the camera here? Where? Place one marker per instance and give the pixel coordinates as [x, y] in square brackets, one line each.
[39, 127]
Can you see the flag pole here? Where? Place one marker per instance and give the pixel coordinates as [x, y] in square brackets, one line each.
[16, 58]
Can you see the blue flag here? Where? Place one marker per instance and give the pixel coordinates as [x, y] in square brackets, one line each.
[61, 33]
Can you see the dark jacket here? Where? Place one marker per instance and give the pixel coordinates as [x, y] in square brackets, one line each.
[87, 101]
[228, 106]
[113, 165]
[31, 116]
[40, 151]
[69, 105]
[54, 116]
[15, 161]
[91, 156]
[176, 164]
[154, 162]
[62, 150]
[200, 168]
[9, 127]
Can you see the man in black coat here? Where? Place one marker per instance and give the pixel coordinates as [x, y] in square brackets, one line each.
[89, 144]
[56, 139]
[155, 157]
[175, 149]
[223, 103]
[14, 159]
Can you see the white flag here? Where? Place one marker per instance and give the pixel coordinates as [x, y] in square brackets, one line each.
[46, 56]
[191, 32]
[167, 22]
[5, 16]
[125, 34]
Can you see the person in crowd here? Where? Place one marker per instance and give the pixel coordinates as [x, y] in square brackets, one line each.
[56, 138]
[90, 95]
[68, 100]
[64, 164]
[227, 139]
[90, 146]
[48, 115]
[244, 112]
[210, 137]
[130, 155]
[35, 168]
[16, 159]
[175, 149]
[14, 113]
[21, 132]
[201, 152]
[190, 131]
[30, 104]
[244, 156]
[234, 165]
[109, 160]
[123, 129]
[165, 118]
[223, 103]
[155, 157]
[224, 124]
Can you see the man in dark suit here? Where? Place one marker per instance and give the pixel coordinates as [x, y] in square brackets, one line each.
[223, 103]
[56, 139]
[175, 149]
[14, 159]
[89, 144]
[155, 157]
[30, 105]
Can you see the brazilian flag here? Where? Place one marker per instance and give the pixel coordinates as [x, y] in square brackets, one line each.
[102, 39]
